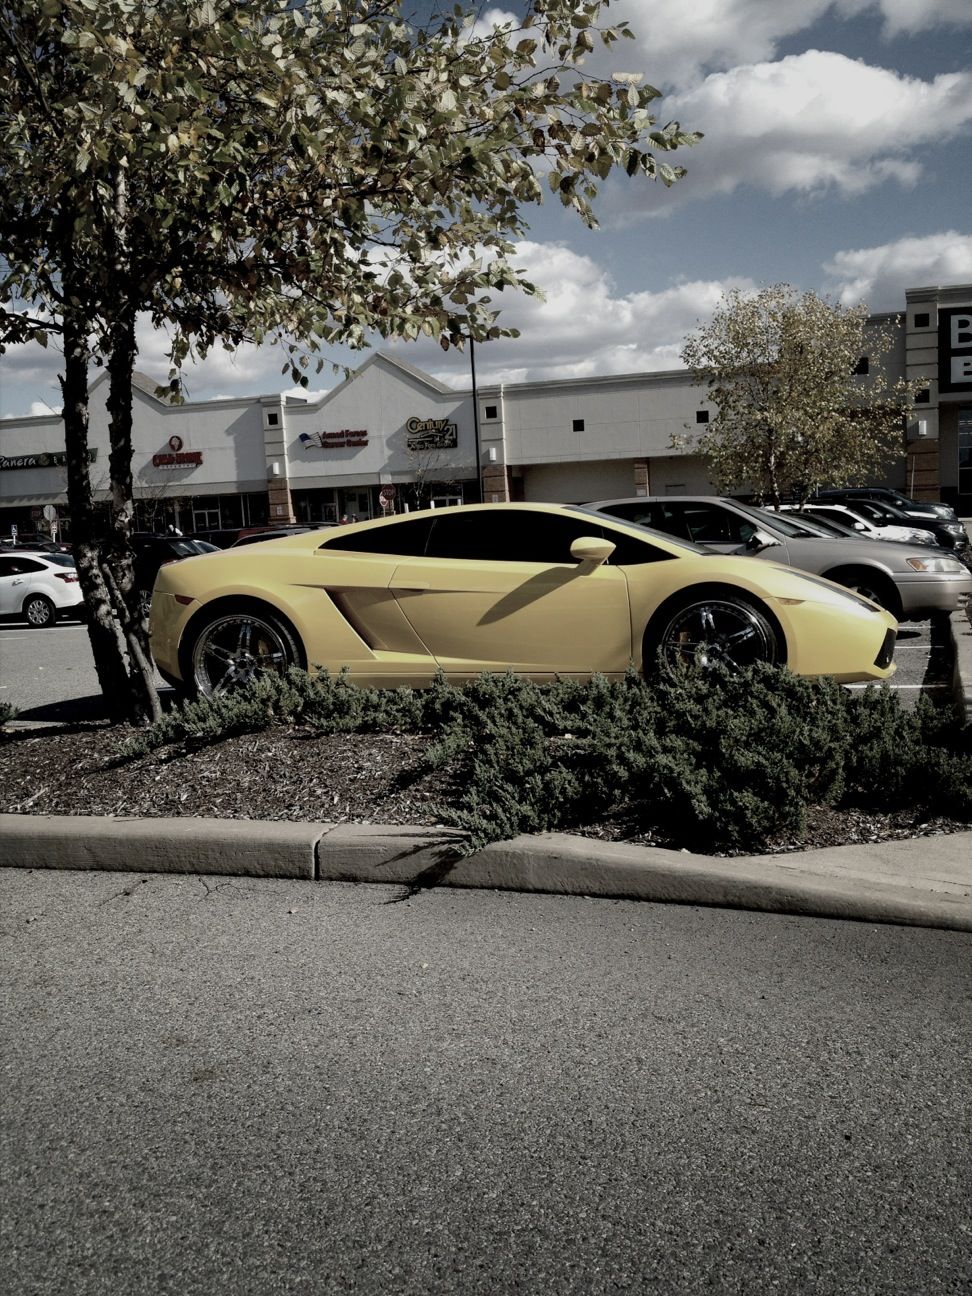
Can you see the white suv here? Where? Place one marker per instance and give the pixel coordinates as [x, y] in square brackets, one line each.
[39, 586]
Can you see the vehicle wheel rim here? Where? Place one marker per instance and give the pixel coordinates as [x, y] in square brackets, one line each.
[235, 651]
[38, 613]
[868, 592]
[708, 635]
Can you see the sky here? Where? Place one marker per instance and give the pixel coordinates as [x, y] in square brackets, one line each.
[837, 158]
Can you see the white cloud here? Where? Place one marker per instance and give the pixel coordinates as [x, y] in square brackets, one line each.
[908, 16]
[678, 42]
[583, 327]
[880, 275]
[815, 121]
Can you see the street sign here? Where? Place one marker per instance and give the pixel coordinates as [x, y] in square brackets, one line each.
[50, 512]
[387, 494]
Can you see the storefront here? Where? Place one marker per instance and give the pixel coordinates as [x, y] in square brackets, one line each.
[391, 438]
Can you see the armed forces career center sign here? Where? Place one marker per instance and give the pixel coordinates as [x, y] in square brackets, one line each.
[431, 434]
[955, 350]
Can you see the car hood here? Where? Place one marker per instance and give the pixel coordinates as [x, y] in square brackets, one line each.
[827, 550]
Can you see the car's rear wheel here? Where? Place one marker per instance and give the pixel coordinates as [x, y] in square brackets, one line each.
[39, 611]
[710, 631]
[235, 647]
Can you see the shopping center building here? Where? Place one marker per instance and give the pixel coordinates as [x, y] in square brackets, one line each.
[391, 437]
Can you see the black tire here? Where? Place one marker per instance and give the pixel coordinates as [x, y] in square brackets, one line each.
[39, 611]
[233, 647]
[718, 629]
[870, 585]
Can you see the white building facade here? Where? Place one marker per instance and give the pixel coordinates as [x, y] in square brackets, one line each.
[391, 437]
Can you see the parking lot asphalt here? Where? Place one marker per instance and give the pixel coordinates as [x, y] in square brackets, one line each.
[923, 882]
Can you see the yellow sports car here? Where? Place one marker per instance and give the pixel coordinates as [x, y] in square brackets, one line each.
[545, 590]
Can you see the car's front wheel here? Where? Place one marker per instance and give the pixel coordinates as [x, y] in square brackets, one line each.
[870, 585]
[710, 631]
[39, 612]
[234, 648]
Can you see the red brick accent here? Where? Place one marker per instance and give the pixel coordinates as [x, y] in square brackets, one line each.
[281, 505]
[924, 480]
[496, 484]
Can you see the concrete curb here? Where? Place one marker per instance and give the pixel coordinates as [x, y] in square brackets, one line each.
[960, 624]
[925, 882]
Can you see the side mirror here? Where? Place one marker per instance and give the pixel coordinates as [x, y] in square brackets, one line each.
[591, 549]
[760, 540]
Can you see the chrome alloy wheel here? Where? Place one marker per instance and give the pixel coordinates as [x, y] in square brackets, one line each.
[717, 632]
[236, 649]
[39, 612]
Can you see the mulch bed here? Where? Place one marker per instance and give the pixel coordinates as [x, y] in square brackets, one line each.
[299, 775]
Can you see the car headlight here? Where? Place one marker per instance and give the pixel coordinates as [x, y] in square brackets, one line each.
[955, 528]
[949, 565]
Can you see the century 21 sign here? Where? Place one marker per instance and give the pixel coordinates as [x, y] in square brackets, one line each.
[955, 350]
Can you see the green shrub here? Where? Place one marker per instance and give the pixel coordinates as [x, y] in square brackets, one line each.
[713, 762]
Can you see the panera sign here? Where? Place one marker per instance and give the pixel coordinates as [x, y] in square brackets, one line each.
[46, 459]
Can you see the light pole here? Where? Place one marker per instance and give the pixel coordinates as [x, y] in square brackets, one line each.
[475, 398]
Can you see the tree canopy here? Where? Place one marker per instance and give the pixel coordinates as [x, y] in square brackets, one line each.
[315, 172]
[801, 391]
[305, 172]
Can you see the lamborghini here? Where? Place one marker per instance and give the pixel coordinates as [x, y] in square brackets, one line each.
[544, 590]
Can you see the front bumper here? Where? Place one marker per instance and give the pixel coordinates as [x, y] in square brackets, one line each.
[926, 594]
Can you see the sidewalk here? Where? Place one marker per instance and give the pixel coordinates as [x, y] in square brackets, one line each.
[925, 882]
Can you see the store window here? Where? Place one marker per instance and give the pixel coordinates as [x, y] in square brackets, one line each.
[205, 519]
[965, 451]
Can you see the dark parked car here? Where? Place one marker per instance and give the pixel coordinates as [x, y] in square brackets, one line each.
[254, 535]
[221, 538]
[153, 551]
[884, 495]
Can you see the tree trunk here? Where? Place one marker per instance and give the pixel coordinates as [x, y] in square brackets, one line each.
[117, 558]
[107, 642]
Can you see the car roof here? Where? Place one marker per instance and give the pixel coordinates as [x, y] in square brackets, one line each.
[46, 554]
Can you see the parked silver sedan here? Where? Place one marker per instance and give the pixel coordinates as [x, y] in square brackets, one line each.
[910, 581]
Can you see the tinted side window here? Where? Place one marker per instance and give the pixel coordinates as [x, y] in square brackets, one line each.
[645, 513]
[19, 566]
[407, 538]
[708, 524]
[513, 536]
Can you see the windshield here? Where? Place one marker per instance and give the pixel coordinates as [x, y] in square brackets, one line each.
[775, 521]
[822, 526]
[60, 559]
[836, 526]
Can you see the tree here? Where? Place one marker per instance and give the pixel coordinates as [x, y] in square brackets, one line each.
[307, 173]
[794, 410]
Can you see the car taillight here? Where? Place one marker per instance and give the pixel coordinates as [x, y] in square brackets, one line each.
[69, 578]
